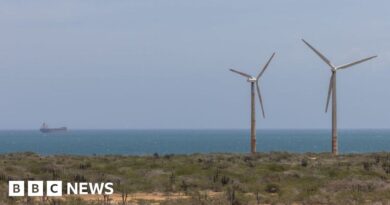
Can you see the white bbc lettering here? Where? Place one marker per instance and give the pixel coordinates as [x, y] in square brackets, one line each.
[72, 189]
[96, 188]
[35, 188]
[16, 188]
[83, 188]
[109, 188]
[54, 188]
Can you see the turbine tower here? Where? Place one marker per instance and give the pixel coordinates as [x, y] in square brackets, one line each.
[332, 91]
[252, 80]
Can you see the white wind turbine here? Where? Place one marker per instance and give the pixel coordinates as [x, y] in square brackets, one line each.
[254, 80]
[332, 91]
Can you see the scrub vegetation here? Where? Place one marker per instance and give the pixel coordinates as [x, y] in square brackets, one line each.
[202, 179]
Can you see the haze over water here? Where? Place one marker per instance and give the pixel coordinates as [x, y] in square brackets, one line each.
[164, 64]
[141, 142]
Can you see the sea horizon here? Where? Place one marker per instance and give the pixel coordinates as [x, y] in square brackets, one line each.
[186, 141]
[194, 129]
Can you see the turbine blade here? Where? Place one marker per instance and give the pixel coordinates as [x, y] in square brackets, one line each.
[265, 67]
[319, 54]
[356, 62]
[240, 73]
[260, 99]
[329, 92]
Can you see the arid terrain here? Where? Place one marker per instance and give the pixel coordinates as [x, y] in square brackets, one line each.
[264, 178]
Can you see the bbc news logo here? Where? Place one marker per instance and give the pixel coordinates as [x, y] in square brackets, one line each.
[55, 188]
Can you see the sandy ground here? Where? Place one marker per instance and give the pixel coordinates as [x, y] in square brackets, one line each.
[154, 198]
[134, 197]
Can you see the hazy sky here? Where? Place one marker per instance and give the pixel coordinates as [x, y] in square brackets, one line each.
[164, 64]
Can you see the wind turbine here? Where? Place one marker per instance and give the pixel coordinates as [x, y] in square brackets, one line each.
[332, 91]
[252, 80]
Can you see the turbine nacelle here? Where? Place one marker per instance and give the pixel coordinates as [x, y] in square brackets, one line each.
[252, 80]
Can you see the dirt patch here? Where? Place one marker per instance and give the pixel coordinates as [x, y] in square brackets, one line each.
[134, 197]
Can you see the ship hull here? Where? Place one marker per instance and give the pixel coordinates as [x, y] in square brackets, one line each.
[51, 130]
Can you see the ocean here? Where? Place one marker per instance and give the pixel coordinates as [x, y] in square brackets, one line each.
[147, 142]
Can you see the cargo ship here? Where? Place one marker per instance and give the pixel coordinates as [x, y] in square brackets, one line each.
[45, 129]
